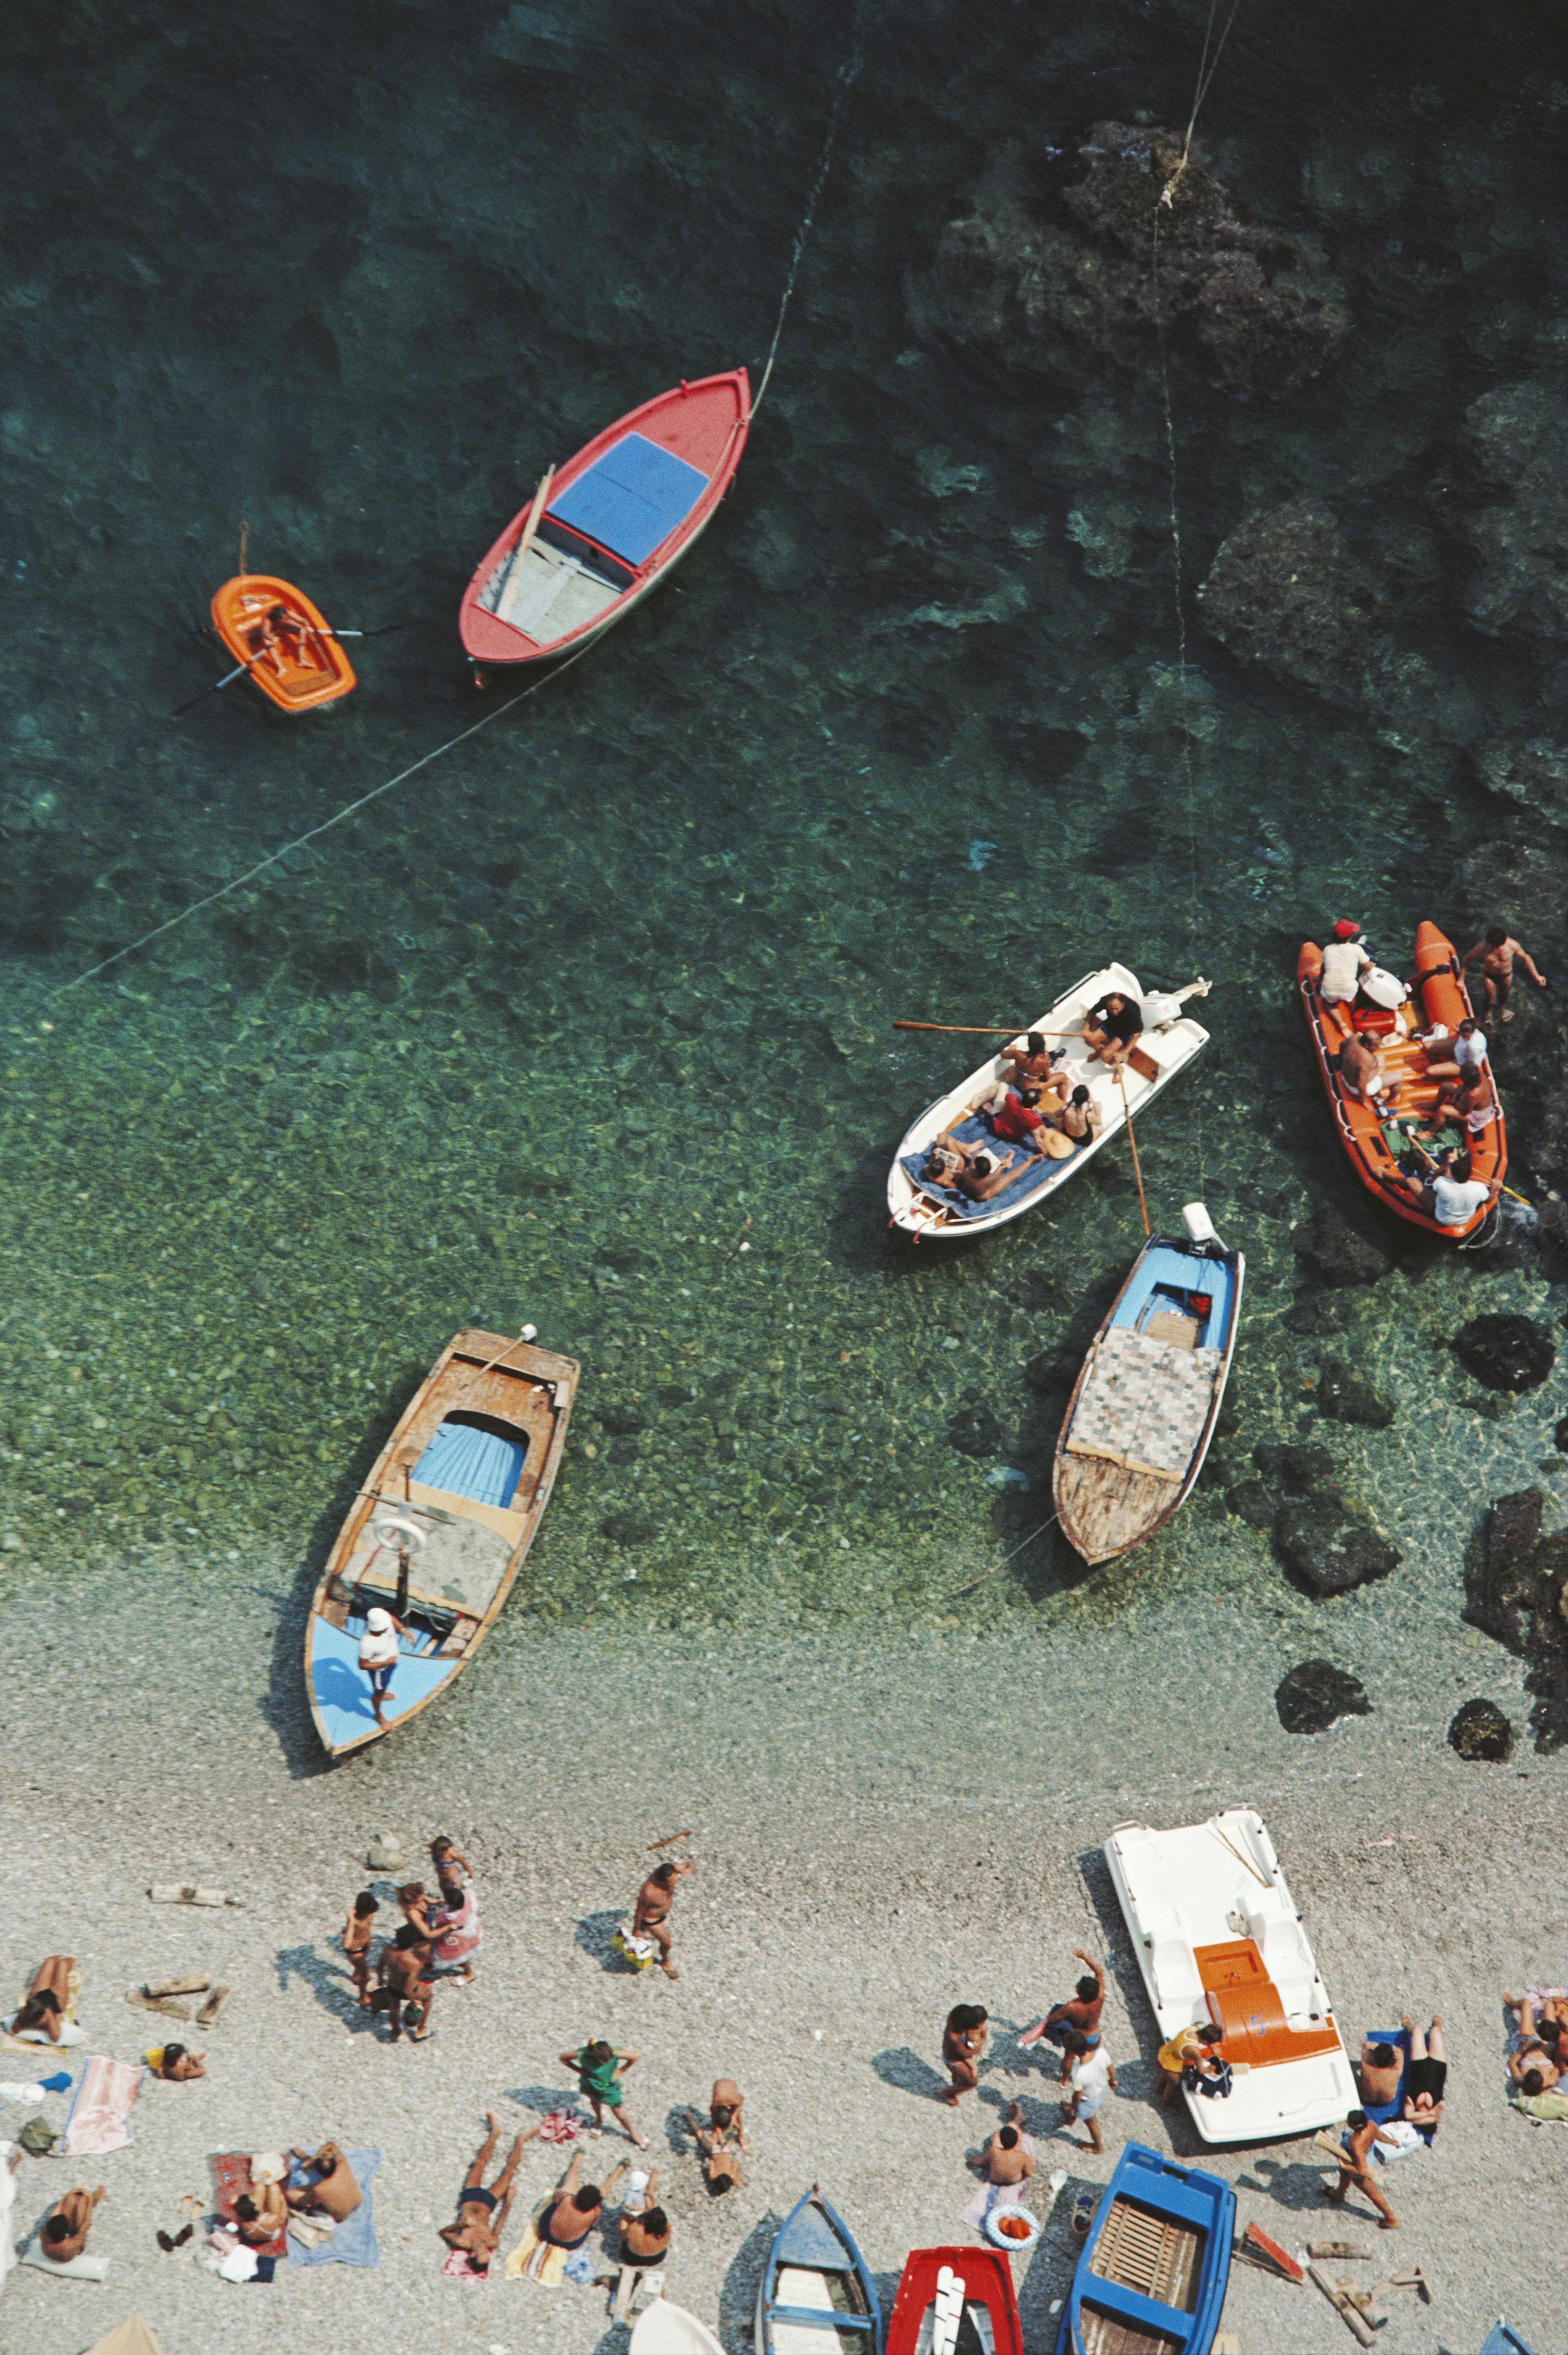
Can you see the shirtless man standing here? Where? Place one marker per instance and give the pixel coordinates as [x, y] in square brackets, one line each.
[403, 1976]
[1354, 2157]
[64, 2231]
[1497, 952]
[655, 1899]
[334, 2188]
[1004, 2158]
[481, 2214]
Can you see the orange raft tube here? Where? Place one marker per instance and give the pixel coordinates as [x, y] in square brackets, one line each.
[1440, 998]
[284, 642]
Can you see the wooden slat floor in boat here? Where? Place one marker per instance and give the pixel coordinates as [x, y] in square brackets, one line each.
[1108, 2334]
[1150, 2254]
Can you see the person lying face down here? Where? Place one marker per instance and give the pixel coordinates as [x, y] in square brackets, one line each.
[1113, 1028]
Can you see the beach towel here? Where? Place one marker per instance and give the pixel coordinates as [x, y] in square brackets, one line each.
[83, 2268]
[460, 2266]
[1546, 2109]
[1381, 2112]
[231, 2175]
[535, 2260]
[463, 1935]
[99, 2116]
[562, 2125]
[353, 2239]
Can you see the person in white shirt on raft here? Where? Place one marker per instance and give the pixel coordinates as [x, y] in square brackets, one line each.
[1452, 1202]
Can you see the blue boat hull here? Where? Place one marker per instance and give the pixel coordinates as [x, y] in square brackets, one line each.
[1181, 2196]
[814, 2239]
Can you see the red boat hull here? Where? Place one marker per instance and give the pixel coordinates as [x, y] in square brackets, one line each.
[701, 426]
[987, 2280]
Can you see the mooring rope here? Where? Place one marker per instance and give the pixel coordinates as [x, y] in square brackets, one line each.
[849, 73]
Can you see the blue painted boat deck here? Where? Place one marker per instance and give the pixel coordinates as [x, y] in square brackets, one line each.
[342, 1691]
[1163, 1268]
[467, 1461]
[631, 498]
[976, 1129]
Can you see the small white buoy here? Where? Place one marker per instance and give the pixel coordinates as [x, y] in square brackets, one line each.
[747, 1246]
[530, 1332]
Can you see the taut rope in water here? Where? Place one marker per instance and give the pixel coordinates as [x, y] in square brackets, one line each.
[849, 73]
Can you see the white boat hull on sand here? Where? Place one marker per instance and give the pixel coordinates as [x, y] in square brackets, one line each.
[663, 2328]
[927, 1213]
[1217, 1936]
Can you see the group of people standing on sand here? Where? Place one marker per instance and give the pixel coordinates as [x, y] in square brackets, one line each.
[1087, 2072]
[440, 1933]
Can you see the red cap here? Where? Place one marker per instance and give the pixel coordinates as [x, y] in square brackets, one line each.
[1344, 930]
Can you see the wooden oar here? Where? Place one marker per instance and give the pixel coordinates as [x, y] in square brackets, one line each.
[1132, 1140]
[988, 1029]
[226, 681]
[528, 534]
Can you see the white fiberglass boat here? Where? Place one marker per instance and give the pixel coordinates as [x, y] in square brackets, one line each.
[1170, 1041]
[1218, 1937]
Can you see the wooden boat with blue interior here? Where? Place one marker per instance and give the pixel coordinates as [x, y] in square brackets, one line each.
[440, 1531]
[817, 2296]
[1152, 2275]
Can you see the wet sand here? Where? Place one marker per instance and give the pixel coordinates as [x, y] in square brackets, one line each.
[883, 1830]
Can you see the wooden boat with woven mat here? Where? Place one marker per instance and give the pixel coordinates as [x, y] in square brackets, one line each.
[957, 2301]
[284, 641]
[600, 535]
[1412, 1035]
[1148, 1397]
[1219, 1939]
[1152, 2275]
[439, 1532]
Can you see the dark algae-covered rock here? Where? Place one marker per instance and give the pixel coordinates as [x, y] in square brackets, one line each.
[1507, 1352]
[1345, 1398]
[1481, 1731]
[1285, 593]
[974, 1430]
[1516, 1584]
[1340, 1253]
[630, 1529]
[1315, 1693]
[1331, 1545]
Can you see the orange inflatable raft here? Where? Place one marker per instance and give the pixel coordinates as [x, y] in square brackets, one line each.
[284, 642]
[1439, 999]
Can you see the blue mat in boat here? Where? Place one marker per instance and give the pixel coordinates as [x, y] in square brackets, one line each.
[632, 497]
[478, 1465]
[977, 1130]
[342, 1690]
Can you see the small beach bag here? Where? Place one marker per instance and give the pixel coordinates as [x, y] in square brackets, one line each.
[1213, 2089]
[638, 1952]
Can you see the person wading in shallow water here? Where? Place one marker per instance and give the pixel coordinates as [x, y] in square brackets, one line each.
[655, 1899]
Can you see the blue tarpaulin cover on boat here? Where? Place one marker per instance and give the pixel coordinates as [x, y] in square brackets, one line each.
[632, 497]
[478, 1465]
[977, 1130]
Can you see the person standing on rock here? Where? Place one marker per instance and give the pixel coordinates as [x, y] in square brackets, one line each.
[1497, 954]
[655, 1899]
[962, 2043]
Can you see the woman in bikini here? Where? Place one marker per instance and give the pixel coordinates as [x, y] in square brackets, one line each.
[963, 2042]
[1426, 2076]
[42, 2018]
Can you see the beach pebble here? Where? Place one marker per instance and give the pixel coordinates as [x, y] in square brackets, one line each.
[1481, 1731]
[1506, 1352]
[384, 1855]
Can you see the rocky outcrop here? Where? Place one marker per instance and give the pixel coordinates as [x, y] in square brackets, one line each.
[1140, 240]
[1315, 1693]
[1520, 542]
[1507, 1352]
[1481, 1731]
[1330, 1545]
[1338, 1253]
[1285, 592]
[1346, 1397]
[1532, 777]
[1516, 1586]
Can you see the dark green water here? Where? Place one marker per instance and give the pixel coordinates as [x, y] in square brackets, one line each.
[541, 1033]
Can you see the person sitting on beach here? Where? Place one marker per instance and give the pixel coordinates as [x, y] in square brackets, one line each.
[1190, 2047]
[481, 2214]
[1112, 1029]
[1498, 953]
[1004, 2158]
[722, 2139]
[1080, 2011]
[1379, 2071]
[405, 1975]
[42, 2018]
[1448, 1051]
[63, 2232]
[177, 2067]
[261, 2214]
[332, 2186]
[379, 1655]
[573, 2212]
[1428, 2074]
[963, 2042]
[1345, 960]
[643, 2227]
[1354, 2157]
[1079, 1118]
[1533, 2064]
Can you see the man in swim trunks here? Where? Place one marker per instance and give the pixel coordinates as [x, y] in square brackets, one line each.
[1112, 1029]
[63, 2234]
[357, 1940]
[1354, 2157]
[597, 2068]
[1378, 2072]
[573, 2212]
[1080, 2011]
[481, 2214]
[1004, 2158]
[333, 2187]
[405, 1975]
[655, 1899]
[1364, 1072]
[1498, 953]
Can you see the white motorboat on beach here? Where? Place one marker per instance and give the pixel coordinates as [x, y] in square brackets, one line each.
[1169, 1043]
[1218, 1937]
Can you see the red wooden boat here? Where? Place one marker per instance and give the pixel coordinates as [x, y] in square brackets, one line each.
[1439, 998]
[284, 641]
[599, 535]
[956, 2302]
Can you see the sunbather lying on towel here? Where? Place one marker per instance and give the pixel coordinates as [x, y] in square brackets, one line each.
[481, 2213]
[1379, 2071]
[972, 1170]
[332, 2186]
[64, 2232]
[1535, 2064]
[261, 2219]
[723, 2138]
[43, 2011]
[1428, 2074]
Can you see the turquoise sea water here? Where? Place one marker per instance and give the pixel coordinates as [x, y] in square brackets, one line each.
[603, 996]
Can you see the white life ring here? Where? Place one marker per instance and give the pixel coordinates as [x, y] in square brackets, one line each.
[395, 1531]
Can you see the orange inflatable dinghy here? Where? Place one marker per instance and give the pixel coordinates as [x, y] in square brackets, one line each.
[284, 642]
[1439, 999]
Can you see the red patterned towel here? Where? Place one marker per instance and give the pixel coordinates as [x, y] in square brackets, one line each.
[232, 2174]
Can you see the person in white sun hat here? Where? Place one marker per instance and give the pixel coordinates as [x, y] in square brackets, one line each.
[379, 1655]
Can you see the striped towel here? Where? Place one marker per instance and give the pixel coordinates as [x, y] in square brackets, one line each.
[99, 2116]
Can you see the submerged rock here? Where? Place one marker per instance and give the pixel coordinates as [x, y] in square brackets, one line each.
[1315, 1693]
[1285, 591]
[1330, 1545]
[630, 1529]
[1481, 1731]
[1338, 1252]
[1252, 1501]
[1346, 1398]
[1521, 580]
[974, 1430]
[1506, 1352]
[1533, 777]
